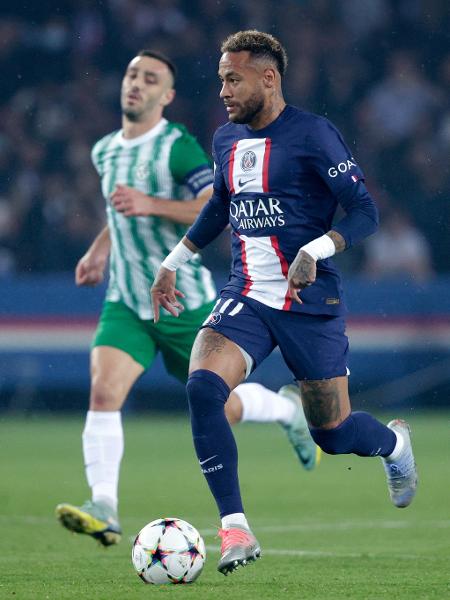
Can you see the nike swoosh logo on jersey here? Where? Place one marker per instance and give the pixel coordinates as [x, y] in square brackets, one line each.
[202, 462]
[242, 183]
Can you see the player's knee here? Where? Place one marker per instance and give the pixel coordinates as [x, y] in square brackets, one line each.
[338, 440]
[206, 392]
[104, 396]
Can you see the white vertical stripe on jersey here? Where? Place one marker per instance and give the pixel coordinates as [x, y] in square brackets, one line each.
[129, 255]
[269, 285]
[108, 184]
[249, 179]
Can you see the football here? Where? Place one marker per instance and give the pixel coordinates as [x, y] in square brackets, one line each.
[168, 550]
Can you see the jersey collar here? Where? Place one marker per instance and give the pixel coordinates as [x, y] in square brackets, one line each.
[141, 139]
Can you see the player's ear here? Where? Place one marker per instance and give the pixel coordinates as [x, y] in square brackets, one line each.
[168, 97]
[269, 77]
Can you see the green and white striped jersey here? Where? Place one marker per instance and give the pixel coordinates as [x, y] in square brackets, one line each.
[157, 163]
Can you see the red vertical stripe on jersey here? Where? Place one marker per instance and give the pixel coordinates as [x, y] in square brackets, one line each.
[249, 282]
[265, 173]
[284, 268]
[230, 168]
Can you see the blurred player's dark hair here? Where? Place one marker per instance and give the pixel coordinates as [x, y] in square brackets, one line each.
[162, 57]
[258, 43]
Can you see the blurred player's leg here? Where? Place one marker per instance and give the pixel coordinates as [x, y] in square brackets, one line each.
[113, 372]
[254, 402]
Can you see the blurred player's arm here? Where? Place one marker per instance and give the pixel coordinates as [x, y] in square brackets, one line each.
[90, 269]
[190, 168]
[133, 203]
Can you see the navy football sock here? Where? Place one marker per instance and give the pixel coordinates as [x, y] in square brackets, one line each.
[359, 434]
[213, 439]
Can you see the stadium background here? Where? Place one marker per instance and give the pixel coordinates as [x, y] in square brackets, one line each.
[379, 70]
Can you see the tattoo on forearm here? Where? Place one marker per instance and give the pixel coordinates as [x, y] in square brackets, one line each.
[338, 240]
[208, 342]
[321, 402]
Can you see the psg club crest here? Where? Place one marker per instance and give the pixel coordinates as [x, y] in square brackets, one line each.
[214, 318]
[248, 161]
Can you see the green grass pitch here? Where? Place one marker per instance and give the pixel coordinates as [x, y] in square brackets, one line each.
[327, 535]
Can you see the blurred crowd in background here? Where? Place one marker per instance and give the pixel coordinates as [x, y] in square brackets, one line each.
[379, 69]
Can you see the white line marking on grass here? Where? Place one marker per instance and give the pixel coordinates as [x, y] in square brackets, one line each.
[286, 528]
[282, 552]
[344, 525]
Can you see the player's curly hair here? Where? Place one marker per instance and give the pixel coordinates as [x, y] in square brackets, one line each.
[257, 43]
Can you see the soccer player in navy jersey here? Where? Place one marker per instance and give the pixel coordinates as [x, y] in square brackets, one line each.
[280, 175]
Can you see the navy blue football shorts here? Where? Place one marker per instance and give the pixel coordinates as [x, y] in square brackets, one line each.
[313, 346]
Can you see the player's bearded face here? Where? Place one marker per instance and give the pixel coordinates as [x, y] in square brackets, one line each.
[242, 88]
[245, 111]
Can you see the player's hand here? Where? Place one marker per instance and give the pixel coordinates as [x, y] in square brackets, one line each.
[133, 203]
[164, 293]
[90, 270]
[301, 274]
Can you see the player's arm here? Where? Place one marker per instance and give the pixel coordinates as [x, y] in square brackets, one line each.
[190, 167]
[328, 150]
[133, 203]
[90, 269]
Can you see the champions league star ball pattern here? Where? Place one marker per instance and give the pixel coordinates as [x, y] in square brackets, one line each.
[168, 551]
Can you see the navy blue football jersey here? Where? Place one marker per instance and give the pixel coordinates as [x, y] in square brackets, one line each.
[279, 188]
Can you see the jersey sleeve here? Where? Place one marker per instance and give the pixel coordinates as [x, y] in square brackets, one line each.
[332, 160]
[215, 215]
[189, 164]
[94, 158]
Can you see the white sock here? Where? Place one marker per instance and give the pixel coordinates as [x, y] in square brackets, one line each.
[103, 451]
[263, 405]
[397, 449]
[234, 519]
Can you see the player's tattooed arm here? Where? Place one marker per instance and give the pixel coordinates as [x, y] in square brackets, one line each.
[338, 240]
[302, 272]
